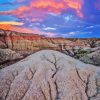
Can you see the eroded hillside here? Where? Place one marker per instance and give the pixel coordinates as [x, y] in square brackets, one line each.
[50, 75]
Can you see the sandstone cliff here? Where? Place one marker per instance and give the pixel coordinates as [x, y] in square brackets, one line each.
[23, 41]
[34, 42]
[50, 75]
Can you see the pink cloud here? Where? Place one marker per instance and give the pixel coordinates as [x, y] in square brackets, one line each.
[25, 30]
[40, 8]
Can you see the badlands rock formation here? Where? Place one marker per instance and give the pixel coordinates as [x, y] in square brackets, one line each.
[8, 57]
[50, 75]
[27, 43]
[23, 41]
[92, 58]
[34, 42]
[7, 54]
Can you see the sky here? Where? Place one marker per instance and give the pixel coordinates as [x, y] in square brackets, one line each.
[52, 18]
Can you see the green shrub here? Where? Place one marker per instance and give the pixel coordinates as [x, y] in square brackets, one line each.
[80, 53]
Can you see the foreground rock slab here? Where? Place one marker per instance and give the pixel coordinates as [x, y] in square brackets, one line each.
[50, 75]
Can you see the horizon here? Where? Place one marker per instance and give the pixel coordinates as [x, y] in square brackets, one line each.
[49, 36]
[52, 18]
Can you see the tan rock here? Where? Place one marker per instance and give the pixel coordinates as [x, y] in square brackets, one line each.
[35, 42]
[50, 75]
[7, 54]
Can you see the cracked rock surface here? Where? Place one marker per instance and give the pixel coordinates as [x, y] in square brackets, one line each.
[50, 75]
